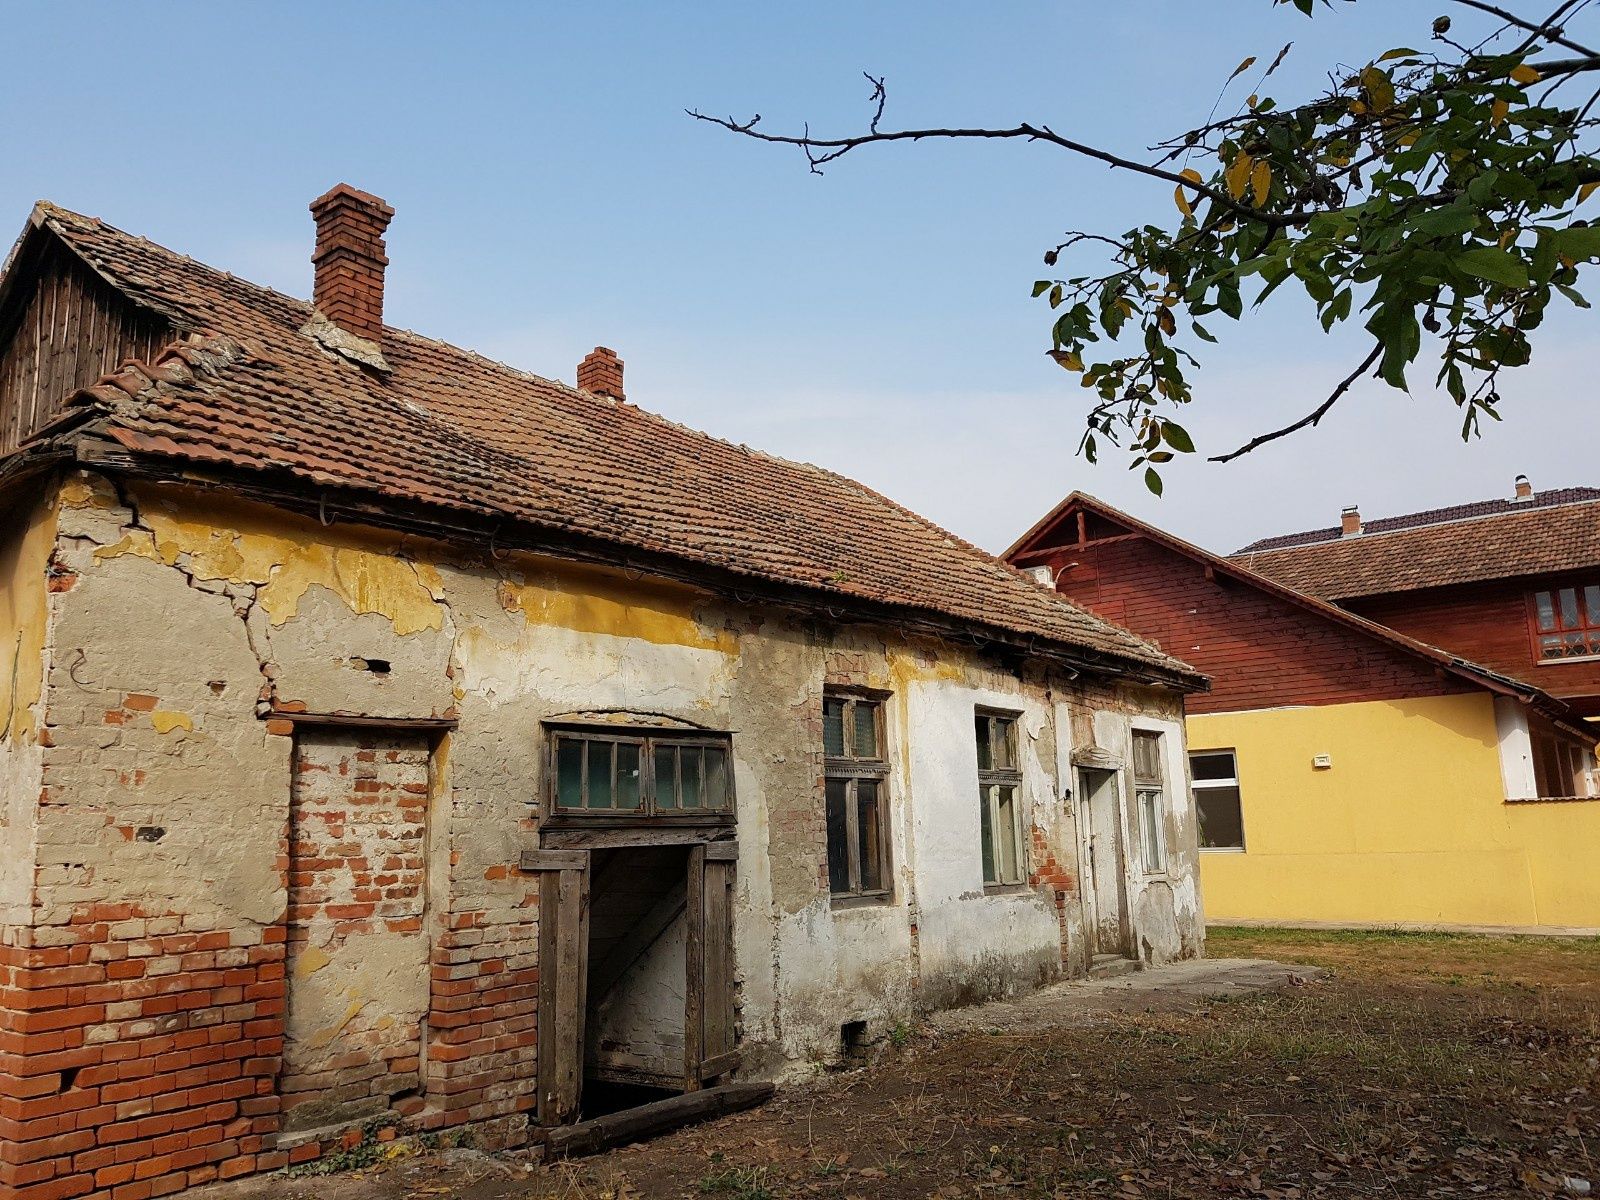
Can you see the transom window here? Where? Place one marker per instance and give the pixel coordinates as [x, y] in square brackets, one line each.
[999, 803]
[1566, 622]
[857, 770]
[1150, 789]
[1215, 775]
[633, 774]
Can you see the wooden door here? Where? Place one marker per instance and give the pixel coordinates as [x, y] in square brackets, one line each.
[710, 1037]
[1104, 896]
[563, 978]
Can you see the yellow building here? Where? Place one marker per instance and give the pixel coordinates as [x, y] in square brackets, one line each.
[1342, 772]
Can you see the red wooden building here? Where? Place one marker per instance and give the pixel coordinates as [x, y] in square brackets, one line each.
[1513, 583]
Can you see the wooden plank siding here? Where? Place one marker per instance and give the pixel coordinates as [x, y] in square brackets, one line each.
[69, 332]
[1261, 651]
[1489, 623]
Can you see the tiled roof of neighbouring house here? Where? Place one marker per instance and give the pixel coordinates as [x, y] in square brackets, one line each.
[244, 388]
[1555, 530]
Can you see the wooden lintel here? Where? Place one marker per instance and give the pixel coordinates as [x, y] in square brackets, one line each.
[722, 851]
[654, 835]
[648, 1120]
[360, 721]
[720, 1064]
[554, 860]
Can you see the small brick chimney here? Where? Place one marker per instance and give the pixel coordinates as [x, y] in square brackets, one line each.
[1524, 488]
[601, 373]
[1350, 521]
[350, 259]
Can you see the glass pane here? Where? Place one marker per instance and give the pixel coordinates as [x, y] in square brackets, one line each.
[1005, 744]
[986, 832]
[1591, 604]
[1545, 603]
[1006, 836]
[865, 740]
[716, 777]
[689, 775]
[870, 832]
[1150, 830]
[666, 778]
[1550, 647]
[1221, 823]
[1211, 766]
[985, 758]
[600, 774]
[627, 775]
[569, 773]
[833, 728]
[1569, 608]
[838, 836]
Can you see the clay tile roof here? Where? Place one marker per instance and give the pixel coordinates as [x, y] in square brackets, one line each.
[1556, 530]
[445, 428]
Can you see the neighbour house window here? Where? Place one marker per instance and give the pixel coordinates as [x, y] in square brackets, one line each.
[1561, 767]
[655, 774]
[1566, 622]
[1215, 774]
[1000, 799]
[1150, 791]
[857, 795]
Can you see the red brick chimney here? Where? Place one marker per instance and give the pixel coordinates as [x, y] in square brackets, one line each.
[350, 260]
[601, 373]
[1524, 488]
[1350, 521]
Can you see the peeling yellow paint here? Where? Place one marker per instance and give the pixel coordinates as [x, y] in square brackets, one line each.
[25, 550]
[284, 556]
[84, 491]
[165, 721]
[590, 601]
[926, 666]
[311, 960]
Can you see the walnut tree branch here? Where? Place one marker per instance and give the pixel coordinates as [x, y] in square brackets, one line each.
[1310, 418]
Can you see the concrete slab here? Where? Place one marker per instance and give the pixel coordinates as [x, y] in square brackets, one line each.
[1176, 987]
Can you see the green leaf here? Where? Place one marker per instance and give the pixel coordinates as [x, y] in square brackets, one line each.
[1579, 242]
[1495, 266]
[1204, 334]
[1152, 480]
[1177, 437]
[1041, 286]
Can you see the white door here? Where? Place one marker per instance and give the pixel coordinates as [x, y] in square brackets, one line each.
[1104, 896]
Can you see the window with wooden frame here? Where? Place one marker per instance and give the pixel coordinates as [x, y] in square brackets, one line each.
[640, 775]
[1149, 789]
[1562, 768]
[1214, 775]
[1000, 800]
[1566, 622]
[857, 786]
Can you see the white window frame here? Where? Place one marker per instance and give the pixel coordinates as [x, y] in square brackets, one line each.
[1198, 785]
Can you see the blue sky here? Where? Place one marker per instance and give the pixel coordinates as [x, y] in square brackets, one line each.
[553, 195]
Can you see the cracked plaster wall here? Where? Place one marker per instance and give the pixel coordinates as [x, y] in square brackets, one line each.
[187, 609]
[27, 541]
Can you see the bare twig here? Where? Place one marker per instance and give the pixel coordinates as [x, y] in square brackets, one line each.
[1310, 418]
[1550, 35]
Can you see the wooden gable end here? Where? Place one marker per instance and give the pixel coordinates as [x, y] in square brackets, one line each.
[1261, 650]
[62, 328]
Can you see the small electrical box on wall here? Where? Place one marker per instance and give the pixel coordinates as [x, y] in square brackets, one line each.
[1322, 762]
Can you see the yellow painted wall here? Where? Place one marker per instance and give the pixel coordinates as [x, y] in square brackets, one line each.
[27, 538]
[1408, 826]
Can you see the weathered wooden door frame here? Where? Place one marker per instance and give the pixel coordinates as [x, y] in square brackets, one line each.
[709, 1037]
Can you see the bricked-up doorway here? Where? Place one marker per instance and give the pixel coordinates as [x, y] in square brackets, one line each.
[358, 947]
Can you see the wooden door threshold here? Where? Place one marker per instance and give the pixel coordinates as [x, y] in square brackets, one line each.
[650, 1120]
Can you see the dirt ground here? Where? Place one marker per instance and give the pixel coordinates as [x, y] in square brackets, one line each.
[1413, 1065]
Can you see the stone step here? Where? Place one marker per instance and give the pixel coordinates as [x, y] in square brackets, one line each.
[1110, 966]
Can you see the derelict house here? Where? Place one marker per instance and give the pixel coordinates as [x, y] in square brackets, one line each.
[393, 736]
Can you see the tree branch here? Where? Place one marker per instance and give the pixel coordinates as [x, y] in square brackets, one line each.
[1310, 418]
[836, 147]
[1512, 19]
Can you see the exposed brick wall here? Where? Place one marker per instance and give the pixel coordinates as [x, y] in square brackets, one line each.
[137, 1055]
[1260, 651]
[350, 259]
